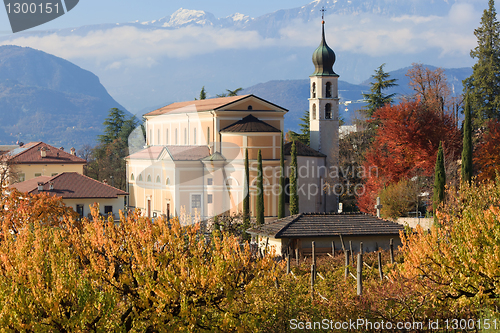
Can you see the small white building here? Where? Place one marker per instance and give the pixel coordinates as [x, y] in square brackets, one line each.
[77, 191]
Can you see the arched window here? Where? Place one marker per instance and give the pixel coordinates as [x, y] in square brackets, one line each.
[185, 136]
[313, 90]
[132, 177]
[176, 137]
[314, 111]
[168, 181]
[328, 111]
[140, 177]
[166, 137]
[149, 179]
[250, 107]
[194, 136]
[158, 180]
[328, 90]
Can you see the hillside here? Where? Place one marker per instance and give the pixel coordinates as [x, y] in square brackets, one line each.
[46, 98]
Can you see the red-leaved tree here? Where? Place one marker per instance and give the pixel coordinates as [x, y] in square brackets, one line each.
[405, 146]
[487, 154]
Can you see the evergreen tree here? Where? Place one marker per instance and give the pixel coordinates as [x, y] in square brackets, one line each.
[113, 125]
[305, 131]
[246, 199]
[203, 94]
[294, 197]
[281, 199]
[467, 143]
[260, 192]
[376, 99]
[439, 179]
[483, 86]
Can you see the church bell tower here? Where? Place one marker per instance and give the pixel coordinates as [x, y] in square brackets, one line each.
[324, 112]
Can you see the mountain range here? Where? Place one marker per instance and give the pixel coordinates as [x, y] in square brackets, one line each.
[46, 98]
[171, 57]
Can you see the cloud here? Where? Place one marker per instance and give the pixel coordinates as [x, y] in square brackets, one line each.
[368, 34]
[376, 35]
[142, 46]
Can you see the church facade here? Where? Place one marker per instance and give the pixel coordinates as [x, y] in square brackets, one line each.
[193, 161]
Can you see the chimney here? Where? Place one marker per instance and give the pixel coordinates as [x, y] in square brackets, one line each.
[40, 187]
[73, 151]
[62, 148]
[105, 181]
[43, 152]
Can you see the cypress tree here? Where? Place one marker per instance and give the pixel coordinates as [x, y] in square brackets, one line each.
[294, 197]
[246, 199]
[439, 179]
[260, 192]
[281, 199]
[467, 144]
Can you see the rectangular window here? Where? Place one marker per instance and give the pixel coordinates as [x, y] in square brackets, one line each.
[108, 209]
[38, 174]
[196, 201]
[209, 199]
[158, 138]
[194, 136]
[150, 139]
[79, 210]
[210, 181]
[54, 174]
[166, 137]
[185, 136]
[22, 177]
[176, 140]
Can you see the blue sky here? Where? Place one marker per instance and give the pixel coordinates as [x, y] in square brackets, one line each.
[119, 11]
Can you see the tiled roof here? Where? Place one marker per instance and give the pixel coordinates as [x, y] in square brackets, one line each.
[302, 150]
[200, 105]
[69, 185]
[150, 153]
[188, 153]
[327, 225]
[30, 153]
[250, 124]
[214, 157]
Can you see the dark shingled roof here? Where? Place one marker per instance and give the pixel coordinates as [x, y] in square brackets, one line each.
[250, 124]
[302, 150]
[327, 225]
[70, 185]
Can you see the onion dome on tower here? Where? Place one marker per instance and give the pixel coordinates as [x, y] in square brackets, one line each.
[323, 57]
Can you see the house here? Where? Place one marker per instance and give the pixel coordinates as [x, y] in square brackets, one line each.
[77, 191]
[37, 159]
[195, 152]
[299, 231]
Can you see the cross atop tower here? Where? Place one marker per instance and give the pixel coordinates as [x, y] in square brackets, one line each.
[323, 10]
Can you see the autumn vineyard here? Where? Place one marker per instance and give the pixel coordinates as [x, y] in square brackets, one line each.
[139, 275]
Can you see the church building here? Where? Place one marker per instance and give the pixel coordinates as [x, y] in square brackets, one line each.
[194, 158]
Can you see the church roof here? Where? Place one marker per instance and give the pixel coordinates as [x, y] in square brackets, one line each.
[188, 153]
[327, 225]
[323, 57]
[249, 124]
[302, 150]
